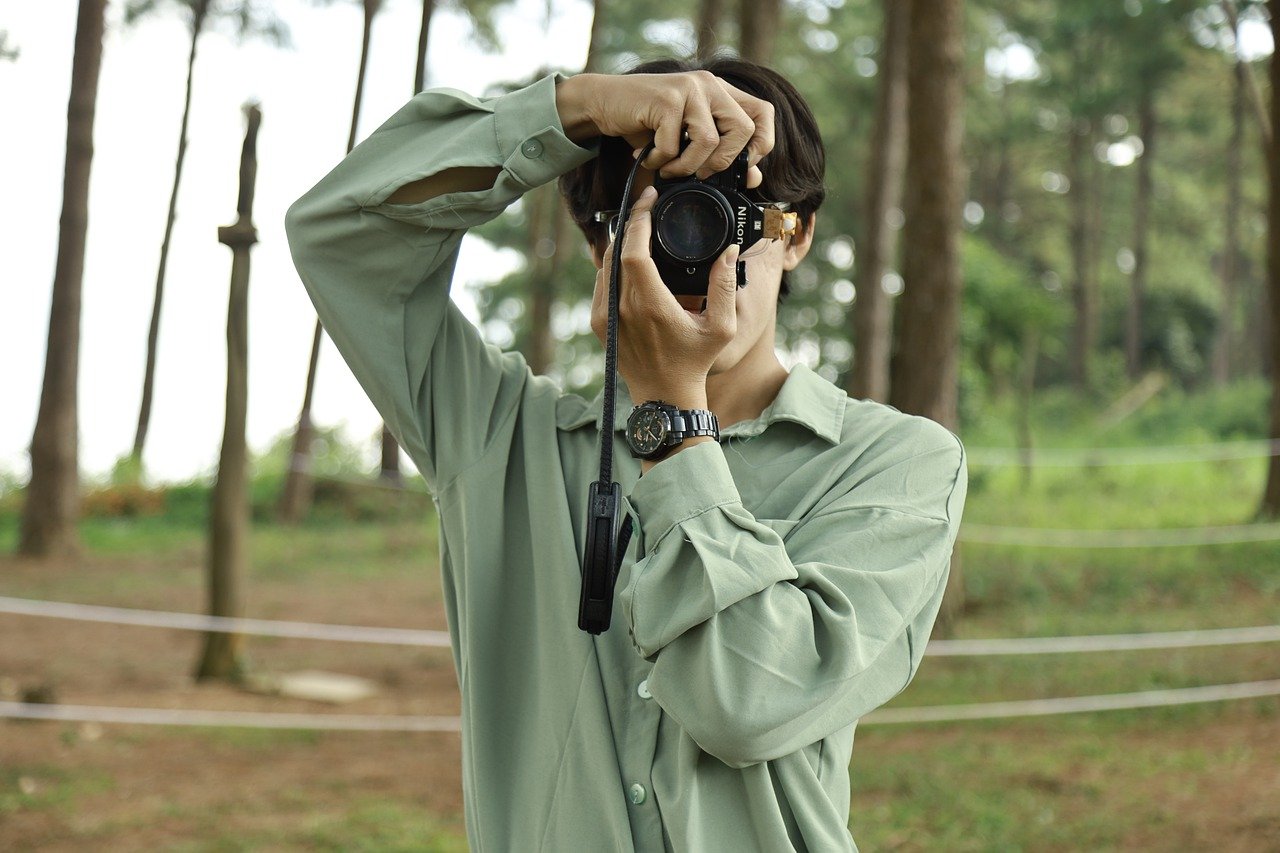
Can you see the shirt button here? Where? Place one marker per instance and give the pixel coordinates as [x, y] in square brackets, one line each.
[638, 793]
[532, 148]
[643, 690]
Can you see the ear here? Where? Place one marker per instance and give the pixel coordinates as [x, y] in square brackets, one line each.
[798, 246]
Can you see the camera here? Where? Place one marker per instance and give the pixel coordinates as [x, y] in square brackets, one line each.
[694, 221]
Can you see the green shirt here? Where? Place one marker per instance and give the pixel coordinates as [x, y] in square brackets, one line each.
[780, 584]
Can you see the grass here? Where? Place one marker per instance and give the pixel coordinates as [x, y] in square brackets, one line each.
[1143, 778]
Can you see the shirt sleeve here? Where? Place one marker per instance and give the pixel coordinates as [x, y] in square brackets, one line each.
[760, 648]
[379, 273]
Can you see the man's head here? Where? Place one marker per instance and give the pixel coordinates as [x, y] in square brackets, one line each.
[793, 171]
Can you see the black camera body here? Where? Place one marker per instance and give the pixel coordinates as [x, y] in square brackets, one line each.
[694, 221]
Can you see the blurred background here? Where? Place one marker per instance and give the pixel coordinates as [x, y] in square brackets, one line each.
[1046, 227]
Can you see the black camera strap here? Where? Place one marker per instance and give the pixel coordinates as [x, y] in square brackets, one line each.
[608, 531]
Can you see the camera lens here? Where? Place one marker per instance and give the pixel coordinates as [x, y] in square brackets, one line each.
[693, 225]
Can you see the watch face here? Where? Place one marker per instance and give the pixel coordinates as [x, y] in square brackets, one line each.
[648, 430]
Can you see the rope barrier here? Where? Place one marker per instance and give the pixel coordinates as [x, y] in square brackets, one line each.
[388, 723]
[1099, 456]
[440, 639]
[1053, 537]
[1104, 642]
[1071, 704]
[200, 622]
[235, 719]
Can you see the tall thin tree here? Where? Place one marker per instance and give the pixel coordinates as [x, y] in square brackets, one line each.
[871, 318]
[925, 368]
[52, 507]
[758, 24]
[1270, 507]
[248, 20]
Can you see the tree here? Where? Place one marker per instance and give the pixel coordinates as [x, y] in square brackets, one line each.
[871, 315]
[1270, 507]
[248, 21]
[229, 517]
[758, 24]
[925, 367]
[709, 14]
[52, 506]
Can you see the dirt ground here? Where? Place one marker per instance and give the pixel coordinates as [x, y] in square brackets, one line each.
[68, 786]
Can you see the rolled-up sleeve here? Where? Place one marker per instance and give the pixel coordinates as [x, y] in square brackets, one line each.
[761, 647]
[379, 273]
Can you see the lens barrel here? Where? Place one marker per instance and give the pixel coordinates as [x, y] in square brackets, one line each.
[693, 224]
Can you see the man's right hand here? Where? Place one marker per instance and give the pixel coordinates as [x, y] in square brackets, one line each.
[720, 118]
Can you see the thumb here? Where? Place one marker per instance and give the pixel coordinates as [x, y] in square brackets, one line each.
[722, 291]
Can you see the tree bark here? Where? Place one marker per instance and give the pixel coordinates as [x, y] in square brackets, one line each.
[1224, 340]
[709, 14]
[1082, 295]
[1270, 507]
[925, 371]
[299, 488]
[229, 517]
[52, 506]
[198, 14]
[1141, 228]
[758, 28]
[872, 321]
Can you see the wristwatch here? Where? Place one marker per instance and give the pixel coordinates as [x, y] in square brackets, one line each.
[655, 427]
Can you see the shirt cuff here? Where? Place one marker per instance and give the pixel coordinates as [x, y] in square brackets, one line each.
[682, 486]
[527, 125]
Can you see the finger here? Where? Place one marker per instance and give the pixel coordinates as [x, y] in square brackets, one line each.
[643, 289]
[761, 114]
[736, 130]
[754, 177]
[722, 291]
[703, 139]
[666, 140]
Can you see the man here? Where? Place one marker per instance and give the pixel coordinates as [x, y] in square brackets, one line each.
[785, 574]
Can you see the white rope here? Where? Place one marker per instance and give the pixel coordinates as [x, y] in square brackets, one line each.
[1053, 537]
[239, 719]
[200, 622]
[1105, 642]
[1071, 704]
[1096, 456]
[385, 723]
[440, 639]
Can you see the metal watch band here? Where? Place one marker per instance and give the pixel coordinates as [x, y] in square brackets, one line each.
[690, 422]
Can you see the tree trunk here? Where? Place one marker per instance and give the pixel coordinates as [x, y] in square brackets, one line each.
[198, 13]
[229, 516]
[299, 488]
[709, 14]
[872, 323]
[1082, 297]
[1270, 507]
[926, 366]
[52, 506]
[1266, 122]
[758, 29]
[1224, 340]
[596, 38]
[424, 36]
[1141, 223]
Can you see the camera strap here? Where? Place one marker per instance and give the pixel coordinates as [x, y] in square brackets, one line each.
[608, 528]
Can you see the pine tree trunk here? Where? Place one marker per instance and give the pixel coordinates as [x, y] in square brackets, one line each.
[872, 322]
[758, 29]
[52, 506]
[229, 517]
[709, 14]
[1224, 340]
[1081, 347]
[299, 487]
[1270, 507]
[925, 371]
[199, 12]
[1141, 228]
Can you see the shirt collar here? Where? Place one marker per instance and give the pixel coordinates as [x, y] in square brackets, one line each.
[805, 398]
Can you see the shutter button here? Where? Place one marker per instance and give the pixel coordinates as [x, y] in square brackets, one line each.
[531, 148]
[637, 793]
[643, 690]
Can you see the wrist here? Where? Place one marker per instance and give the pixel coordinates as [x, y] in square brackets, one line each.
[681, 398]
[647, 464]
[573, 105]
